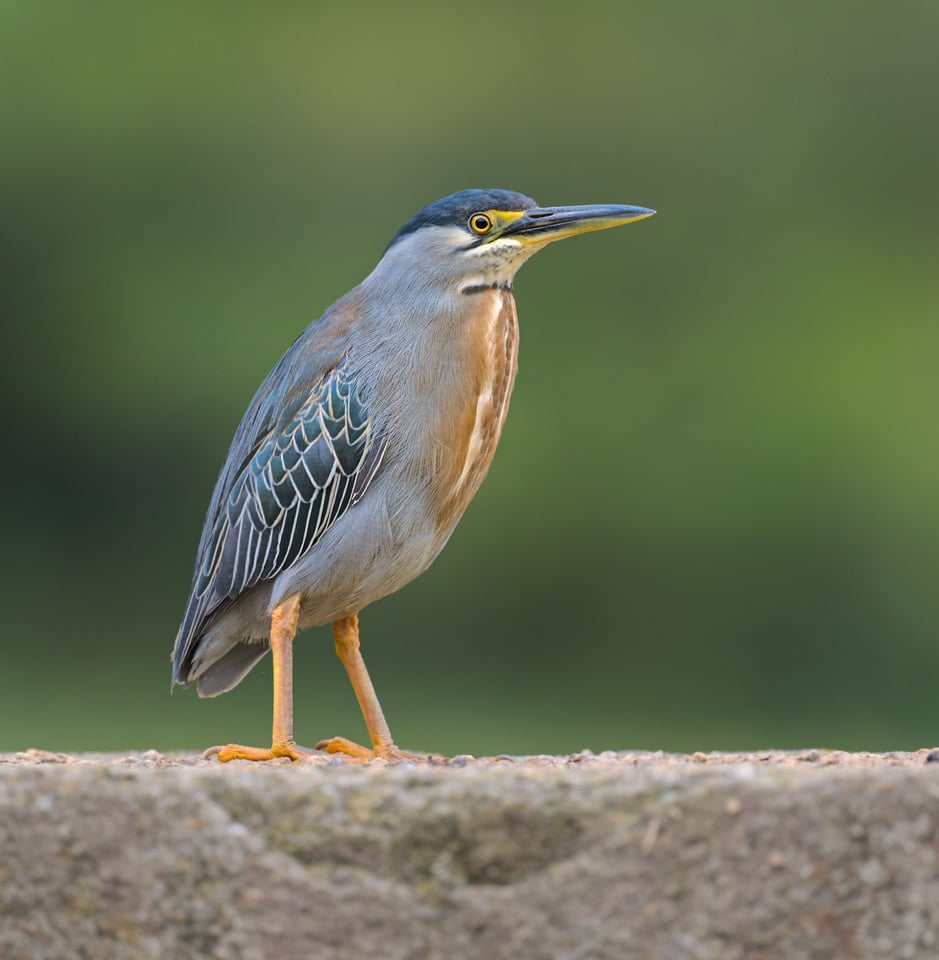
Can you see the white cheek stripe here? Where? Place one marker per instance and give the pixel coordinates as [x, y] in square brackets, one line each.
[497, 262]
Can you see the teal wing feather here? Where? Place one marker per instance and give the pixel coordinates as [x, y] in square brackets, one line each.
[298, 478]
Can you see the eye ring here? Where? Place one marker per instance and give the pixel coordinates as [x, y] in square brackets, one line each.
[480, 223]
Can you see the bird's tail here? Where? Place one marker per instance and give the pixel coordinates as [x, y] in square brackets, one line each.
[228, 670]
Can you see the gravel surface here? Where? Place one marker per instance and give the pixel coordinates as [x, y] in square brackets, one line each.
[650, 760]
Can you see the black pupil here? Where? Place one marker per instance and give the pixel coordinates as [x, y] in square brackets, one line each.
[480, 223]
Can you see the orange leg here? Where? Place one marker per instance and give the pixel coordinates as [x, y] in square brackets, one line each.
[283, 629]
[346, 634]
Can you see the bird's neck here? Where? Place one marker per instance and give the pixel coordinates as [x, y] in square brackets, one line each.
[444, 365]
[469, 419]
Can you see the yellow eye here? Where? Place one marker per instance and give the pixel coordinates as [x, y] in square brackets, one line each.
[480, 223]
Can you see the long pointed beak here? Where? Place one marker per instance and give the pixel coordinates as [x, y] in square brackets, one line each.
[545, 224]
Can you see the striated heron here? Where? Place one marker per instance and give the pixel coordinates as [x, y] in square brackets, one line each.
[361, 450]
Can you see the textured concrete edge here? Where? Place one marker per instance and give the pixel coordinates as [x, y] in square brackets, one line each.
[640, 856]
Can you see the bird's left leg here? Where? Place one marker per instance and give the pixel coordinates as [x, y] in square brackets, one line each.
[346, 635]
[283, 629]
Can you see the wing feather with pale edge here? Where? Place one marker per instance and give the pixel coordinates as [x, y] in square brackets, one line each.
[298, 480]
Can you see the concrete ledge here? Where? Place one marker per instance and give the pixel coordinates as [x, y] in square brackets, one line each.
[620, 856]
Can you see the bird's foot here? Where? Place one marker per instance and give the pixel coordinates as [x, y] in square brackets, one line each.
[234, 751]
[355, 753]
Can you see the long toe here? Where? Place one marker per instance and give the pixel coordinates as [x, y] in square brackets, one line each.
[355, 753]
[235, 751]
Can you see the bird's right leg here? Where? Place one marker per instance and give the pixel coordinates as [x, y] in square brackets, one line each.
[283, 629]
[346, 635]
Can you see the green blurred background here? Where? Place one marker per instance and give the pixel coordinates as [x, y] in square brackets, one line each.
[713, 521]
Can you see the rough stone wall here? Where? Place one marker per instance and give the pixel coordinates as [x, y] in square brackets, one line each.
[622, 856]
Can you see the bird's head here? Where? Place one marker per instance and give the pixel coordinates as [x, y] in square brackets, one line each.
[482, 237]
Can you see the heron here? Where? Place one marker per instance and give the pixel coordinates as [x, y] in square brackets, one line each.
[360, 452]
